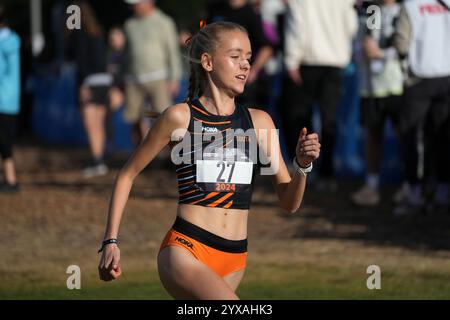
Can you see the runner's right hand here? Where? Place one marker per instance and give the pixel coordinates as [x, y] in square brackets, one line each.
[109, 266]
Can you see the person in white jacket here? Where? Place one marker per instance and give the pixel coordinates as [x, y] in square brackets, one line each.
[318, 45]
[423, 38]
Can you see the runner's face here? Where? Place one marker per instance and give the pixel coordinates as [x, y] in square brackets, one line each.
[231, 61]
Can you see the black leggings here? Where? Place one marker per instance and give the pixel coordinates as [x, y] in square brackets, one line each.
[7, 134]
[426, 109]
[324, 86]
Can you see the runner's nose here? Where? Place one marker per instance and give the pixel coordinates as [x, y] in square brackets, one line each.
[245, 64]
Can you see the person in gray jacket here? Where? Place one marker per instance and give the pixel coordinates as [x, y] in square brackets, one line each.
[152, 63]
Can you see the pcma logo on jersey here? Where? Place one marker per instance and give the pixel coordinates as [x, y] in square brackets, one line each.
[209, 129]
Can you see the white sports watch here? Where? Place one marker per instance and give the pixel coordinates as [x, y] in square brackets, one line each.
[301, 170]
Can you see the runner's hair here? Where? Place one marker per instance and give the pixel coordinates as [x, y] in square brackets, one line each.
[207, 40]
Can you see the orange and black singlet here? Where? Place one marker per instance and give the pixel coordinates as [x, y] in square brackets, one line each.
[217, 159]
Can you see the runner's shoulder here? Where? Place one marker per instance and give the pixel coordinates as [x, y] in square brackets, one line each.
[261, 119]
[177, 114]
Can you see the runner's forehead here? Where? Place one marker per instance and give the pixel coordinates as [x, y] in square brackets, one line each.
[235, 40]
[239, 50]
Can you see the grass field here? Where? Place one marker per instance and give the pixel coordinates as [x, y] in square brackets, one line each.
[322, 252]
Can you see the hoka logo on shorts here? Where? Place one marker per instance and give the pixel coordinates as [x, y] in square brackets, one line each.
[184, 242]
[209, 129]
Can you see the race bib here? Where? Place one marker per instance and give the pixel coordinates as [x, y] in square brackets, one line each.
[224, 173]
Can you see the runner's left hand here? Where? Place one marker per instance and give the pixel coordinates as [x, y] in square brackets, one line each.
[308, 148]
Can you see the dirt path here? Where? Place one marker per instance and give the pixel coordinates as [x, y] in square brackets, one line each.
[58, 218]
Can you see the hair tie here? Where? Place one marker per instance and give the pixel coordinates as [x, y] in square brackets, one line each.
[202, 25]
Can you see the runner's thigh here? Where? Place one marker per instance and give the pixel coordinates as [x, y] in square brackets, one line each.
[185, 277]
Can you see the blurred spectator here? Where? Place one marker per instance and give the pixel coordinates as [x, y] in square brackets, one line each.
[381, 86]
[116, 42]
[9, 100]
[268, 11]
[184, 37]
[271, 12]
[259, 84]
[94, 83]
[153, 63]
[423, 37]
[318, 45]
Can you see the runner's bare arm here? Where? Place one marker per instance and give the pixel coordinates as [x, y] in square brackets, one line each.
[174, 117]
[289, 189]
